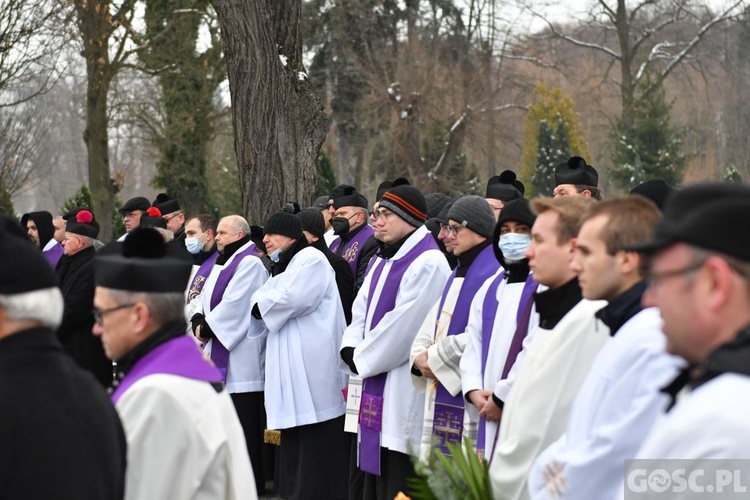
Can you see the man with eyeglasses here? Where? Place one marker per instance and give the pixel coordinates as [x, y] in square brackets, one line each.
[172, 214]
[75, 273]
[348, 209]
[404, 282]
[437, 350]
[502, 189]
[184, 437]
[61, 437]
[131, 212]
[556, 362]
[699, 278]
[620, 399]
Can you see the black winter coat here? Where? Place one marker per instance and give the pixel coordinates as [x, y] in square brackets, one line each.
[60, 434]
[75, 274]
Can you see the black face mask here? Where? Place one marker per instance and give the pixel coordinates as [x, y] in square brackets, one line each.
[340, 225]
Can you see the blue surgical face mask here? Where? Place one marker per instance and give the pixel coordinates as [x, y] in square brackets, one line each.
[514, 245]
[276, 254]
[194, 245]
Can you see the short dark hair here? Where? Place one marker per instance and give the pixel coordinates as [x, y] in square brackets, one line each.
[207, 222]
[596, 193]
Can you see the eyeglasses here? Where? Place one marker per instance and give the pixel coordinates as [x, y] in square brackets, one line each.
[382, 216]
[130, 215]
[653, 279]
[453, 229]
[99, 313]
[168, 218]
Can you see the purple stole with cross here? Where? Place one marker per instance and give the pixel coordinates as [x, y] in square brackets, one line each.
[523, 316]
[350, 250]
[448, 418]
[201, 275]
[179, 356]
[53, 254]
[371, 408]
[219, 353]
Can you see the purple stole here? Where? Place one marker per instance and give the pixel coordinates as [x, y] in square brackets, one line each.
[371, 408]
[350, 251]
[179, 356]
[201, 275]
[53, 254]
[448, 419]
[523, 316]
[219, 353]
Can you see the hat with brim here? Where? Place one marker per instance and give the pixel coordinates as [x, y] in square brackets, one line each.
[137, 203]
[142, 263]
[712, 216]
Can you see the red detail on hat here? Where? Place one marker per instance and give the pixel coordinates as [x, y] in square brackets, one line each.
[84, 217]
[405, 205]
[153, 212]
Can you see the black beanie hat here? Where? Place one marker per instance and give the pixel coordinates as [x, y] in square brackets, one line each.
[312, 221]
[166, 204]
[577, 172]
[285, 224]
[407, 202]
[656, 190]
[435, 203]
[505, 187]
[43, 221]
[23, 268]
[83, 223]
[142, 263]
[518, 211]
[442, 217]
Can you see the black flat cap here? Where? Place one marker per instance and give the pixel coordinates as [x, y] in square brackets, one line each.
[137, 203]
[713, 216]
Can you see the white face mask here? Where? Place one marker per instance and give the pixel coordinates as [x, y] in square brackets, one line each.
[514, 245]
[276, 254]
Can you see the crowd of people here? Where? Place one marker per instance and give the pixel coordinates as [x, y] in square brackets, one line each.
[326, 351]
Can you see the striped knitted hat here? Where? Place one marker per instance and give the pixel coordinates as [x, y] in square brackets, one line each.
[407, 202]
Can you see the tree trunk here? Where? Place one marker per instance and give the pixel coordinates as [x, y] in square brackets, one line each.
[279, 123]
[627, 85]
[93, 26]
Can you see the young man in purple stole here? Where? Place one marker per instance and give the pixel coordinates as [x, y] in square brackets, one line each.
[437, 349]
[499, 322]
[184, 437]
[235, 341]
[405, 280]
[354, 242]
[200, 242]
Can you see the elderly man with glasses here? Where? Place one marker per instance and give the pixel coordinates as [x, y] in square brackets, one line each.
[131, 213]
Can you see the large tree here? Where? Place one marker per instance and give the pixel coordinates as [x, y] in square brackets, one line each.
[279, 123]
[188, 78]
[105, 29]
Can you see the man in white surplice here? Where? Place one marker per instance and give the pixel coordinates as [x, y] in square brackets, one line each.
[301, 307]
[383, 348]
[437, 349]
[560, 355]
[482, 381]
[620, 398]
[222, 321]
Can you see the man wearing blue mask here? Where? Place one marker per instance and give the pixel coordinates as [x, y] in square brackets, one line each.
[499, 321]
[200, 232]
[235, 341]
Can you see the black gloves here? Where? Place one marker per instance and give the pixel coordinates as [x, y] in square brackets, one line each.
[347, 354]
